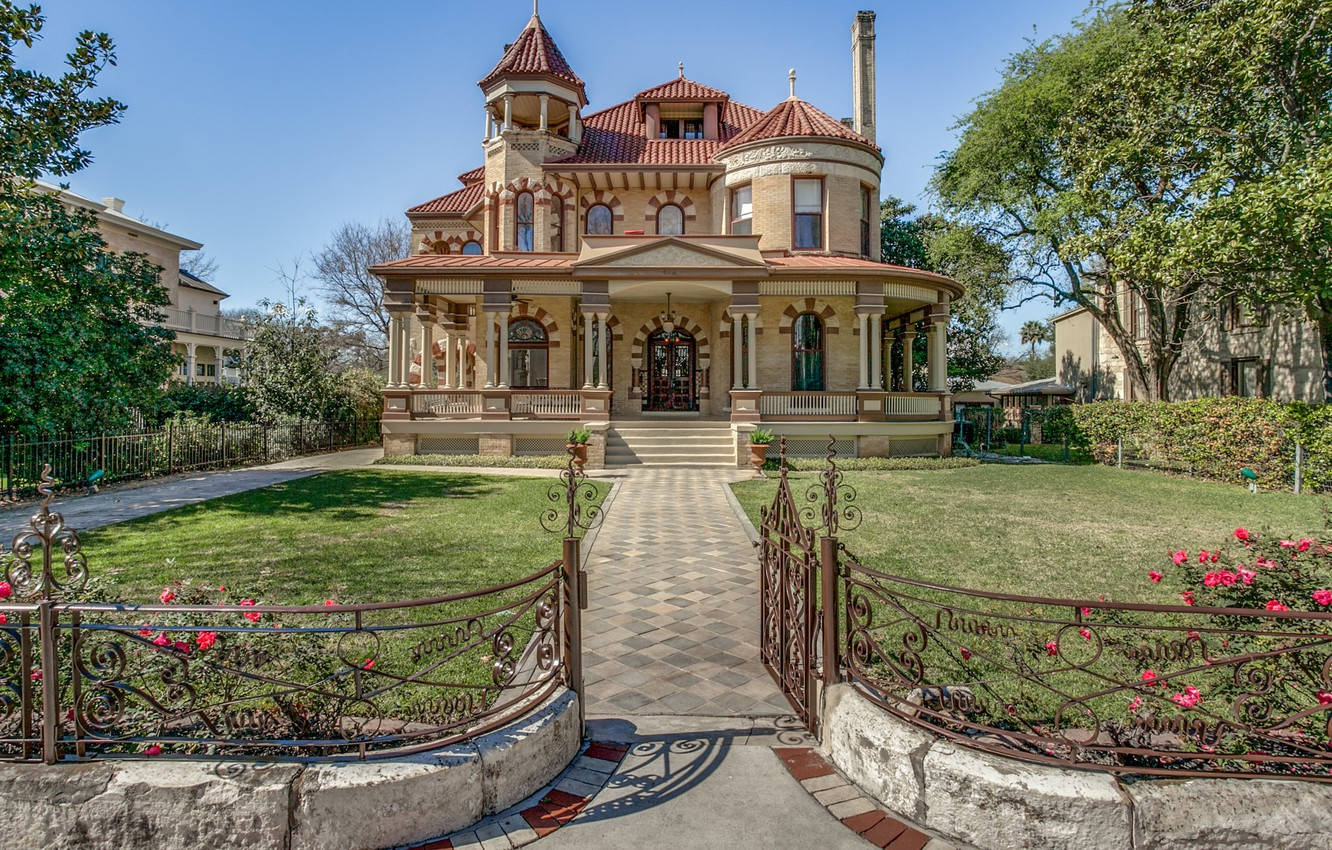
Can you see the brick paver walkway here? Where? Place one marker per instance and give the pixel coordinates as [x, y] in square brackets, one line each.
[672, 624]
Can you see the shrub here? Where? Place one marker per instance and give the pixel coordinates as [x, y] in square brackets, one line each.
[876, 464]
[218, 402]
[522, 462]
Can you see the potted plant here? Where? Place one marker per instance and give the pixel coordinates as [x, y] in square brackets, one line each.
[578, 445]
[759, 440]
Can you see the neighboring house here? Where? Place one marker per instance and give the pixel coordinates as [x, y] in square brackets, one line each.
[1275, 353]
[1043, 392]
[206, 341]
[982, 394]
[676, 254]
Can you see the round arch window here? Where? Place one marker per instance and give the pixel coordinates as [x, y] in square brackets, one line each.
[807, 353]
[670, 221]
[472, 247]
[525, 210]
[599, 220]
[529, 353]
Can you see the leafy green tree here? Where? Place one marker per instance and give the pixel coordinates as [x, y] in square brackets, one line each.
[290, 369]
[1237, 97]
[933, 243]
[77, 347]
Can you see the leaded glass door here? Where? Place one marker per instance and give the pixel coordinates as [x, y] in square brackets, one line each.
[670, 368]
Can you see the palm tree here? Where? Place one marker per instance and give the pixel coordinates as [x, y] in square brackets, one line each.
[1033, 333]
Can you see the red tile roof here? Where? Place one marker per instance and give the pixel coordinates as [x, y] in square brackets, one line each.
[533, 53]
[455, 202]
[513, 262]
[681, 89]
[475, 175]
[794, 117]
[827, 261]
[619, 135]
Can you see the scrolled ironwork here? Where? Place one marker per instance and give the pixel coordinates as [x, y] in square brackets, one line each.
[576, 501]
[831, 504]
[46, 533]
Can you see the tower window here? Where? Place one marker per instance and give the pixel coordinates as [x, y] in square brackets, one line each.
[599, 220]
[866, 220]
[808, 211]
[670, 221]
[523, 237]
[742, 210]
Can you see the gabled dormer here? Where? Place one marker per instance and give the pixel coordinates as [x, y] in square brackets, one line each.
[681, 109]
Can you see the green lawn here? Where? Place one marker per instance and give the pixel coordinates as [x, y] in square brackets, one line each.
[1044, 451]
[1047, 530]
[358, 535]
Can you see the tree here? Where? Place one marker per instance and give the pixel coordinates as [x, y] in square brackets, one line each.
[288, 367]
[933, 243]
[78, 347]
[1240, 92]
[1042, 166]
[1034, 333]
[357, 297]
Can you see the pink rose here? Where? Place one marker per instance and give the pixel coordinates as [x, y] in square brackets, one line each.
[1286, 544]
[1246, 576]
[1242, 535]
[1187, 596]
[1155, 576]
[152, 750]
[1227, 577]
[5, 590]
[1273, 605]
[1135, 704]
[966, 654]
[205, 640]
[1086, 633]
[1189, 698]
[1304, 544]
[1323, 597]
[1086, 612]
[1179, 557]
[1051, 648]
[1216, 556]
[1211, 579]
[182, 647]
[168, 595]
[329, 603]
[1202, 557]
[1149, 676]
[369, 663]
[162, 640]
[1324, 698]
[252, 616]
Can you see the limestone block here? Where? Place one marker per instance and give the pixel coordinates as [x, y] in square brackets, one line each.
[883, 755]
[996, 802]
[399, 444]
[1205, 814]
[386, 803]
[519, 759]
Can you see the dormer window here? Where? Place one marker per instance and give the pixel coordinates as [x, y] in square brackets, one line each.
[681, 128]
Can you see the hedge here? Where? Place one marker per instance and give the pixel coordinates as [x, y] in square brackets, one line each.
[1215, 438]
[506, 461]
[876, 464]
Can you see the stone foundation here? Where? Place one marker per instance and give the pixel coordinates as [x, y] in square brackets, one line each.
[992, 802]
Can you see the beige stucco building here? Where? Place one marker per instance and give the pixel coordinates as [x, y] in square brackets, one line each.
[678, 256]
[205, 340]
[1229, 351]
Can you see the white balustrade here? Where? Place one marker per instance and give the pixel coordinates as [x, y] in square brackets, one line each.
[548, 403]
[447, 404]
[839, 405]
[910, 404]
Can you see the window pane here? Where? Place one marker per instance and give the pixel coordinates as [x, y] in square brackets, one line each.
[808, 196]
[472, 247]
[524, 237]
[744, 227]
[742, 202]
[808, 231]
[693, 129]
[525, 208]
[599, 220]
[670, 220]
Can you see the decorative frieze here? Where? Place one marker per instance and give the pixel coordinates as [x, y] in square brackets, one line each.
[808, 287]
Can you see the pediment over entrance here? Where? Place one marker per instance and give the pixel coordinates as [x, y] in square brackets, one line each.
[716, 254]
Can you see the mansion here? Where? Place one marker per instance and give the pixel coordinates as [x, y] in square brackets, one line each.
[669, 272]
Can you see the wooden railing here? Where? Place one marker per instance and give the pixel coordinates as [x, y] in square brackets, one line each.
[910, 404]
[821, 405]
[553, 403]
[465, 403]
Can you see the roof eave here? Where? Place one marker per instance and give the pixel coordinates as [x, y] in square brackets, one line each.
[731, 147]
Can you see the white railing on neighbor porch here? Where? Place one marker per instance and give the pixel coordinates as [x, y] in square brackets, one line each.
[801, 404]
[212, 324]
[549, 403]
[467, 403]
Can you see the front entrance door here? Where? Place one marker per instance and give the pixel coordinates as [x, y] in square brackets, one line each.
[671, 357]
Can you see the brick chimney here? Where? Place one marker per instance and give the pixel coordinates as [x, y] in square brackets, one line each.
[862, 73]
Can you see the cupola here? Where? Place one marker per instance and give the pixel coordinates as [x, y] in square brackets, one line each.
[533, 87]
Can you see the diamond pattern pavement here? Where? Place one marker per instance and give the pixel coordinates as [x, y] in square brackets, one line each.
[672, 624]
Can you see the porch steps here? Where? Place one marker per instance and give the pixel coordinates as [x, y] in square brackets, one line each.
[679, 442]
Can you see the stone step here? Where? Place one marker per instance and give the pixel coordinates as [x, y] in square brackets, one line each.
[671, 460]
[692, 440]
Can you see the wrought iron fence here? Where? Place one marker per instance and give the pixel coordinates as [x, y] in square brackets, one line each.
[86, 459]
[278, 682]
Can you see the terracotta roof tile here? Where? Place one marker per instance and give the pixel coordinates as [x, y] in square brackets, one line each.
[618, 134]
[455, 202]
[682, 89]
[533, 53]
[794, 117]
[827, 261]
[475, 175]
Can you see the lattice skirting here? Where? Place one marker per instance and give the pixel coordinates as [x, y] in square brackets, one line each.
[807, 447]
[538, 445]
[448, 445]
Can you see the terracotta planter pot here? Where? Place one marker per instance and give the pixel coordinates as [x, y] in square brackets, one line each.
[579, 453]
[757, 455]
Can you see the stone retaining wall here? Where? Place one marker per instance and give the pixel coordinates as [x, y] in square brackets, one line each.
[997, 803]
[164, 804]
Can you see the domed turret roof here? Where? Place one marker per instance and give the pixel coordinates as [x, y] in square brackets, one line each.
[795, 117]
[534, 53]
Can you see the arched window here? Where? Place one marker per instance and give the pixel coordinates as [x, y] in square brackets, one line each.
[557, 223]
[472, 247]
[529, 350]
[599, 220]
[807, 352]
[437, 246]
[524, 216]
[670, 221]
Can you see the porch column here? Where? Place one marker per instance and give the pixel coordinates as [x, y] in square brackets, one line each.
[864, 351]
[737, 351]
[938, 353]
[428, 356]
[888, 364]
[489, 121]
[908, 358]
[503, 319]
[217, 361]
[508, 112]
[393, 350]
[602, 331]
[545, 108]
[447, 342]
[876, 351]
[490, 348]
[575, 127]
[189, 362]
[460, 361]
[752, 326]
[587, 350]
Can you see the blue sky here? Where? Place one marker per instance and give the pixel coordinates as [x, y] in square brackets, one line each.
[258, 127]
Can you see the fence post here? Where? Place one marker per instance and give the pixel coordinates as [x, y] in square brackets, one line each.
[50, 681]
[1022, 433]
[989, 421]
[9, 465]
[222, 437]
[1119, 453]
[171, 446]
[1299, 466]
[832, 662]
[265, 427]
[573, 620]
[300, 438]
